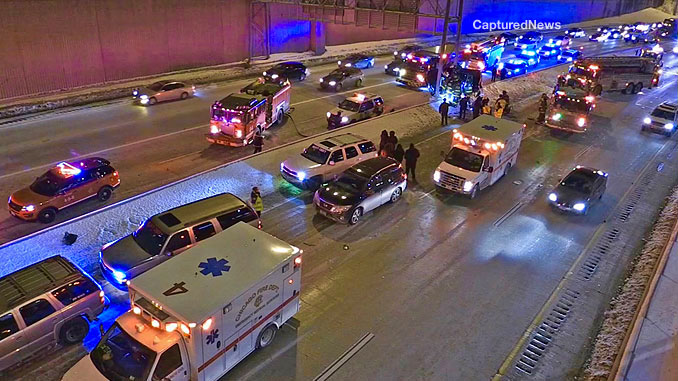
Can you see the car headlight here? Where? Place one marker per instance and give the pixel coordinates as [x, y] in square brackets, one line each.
[668, 126]
[144, 97]
[301, 176]
[468, 186]
[560, 57]
[119, 276]
[553, 197]
[344, 119]
[214, 129]
[647, 120]
[340, 208]
[264, 73]
[274, 76]
[135, 93]
[436, 176]
[675, 49]
[338, 62]
[28, 208]
[385, 66]
[329, 114]
[402, 71]
[322, 80]
[579, 206]
[332, 83]
[581, 122]
[348, 64]
[282, 166]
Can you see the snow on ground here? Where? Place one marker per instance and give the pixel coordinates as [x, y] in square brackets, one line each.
[623, 307]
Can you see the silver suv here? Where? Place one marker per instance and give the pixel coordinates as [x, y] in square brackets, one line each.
[49, 302]
[325, 160]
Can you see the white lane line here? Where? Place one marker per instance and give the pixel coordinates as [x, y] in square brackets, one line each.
[330, 370]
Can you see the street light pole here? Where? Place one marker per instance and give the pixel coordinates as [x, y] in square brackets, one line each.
[444, 41]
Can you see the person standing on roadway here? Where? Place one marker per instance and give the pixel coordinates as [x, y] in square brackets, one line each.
[411, 157]
[258, 141]
[543, 106]
[463, 106]
[256, 201]
[444, 110]
[399, 153]
[477, 106]
[383, 139]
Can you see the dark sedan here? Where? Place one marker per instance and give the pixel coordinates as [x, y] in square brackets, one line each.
[342, 77]
[506, 39]
[512, 68]
[293, 71]
[579, 190]
[575, 32]
[394, 67]
[402, 53]
[359, 61]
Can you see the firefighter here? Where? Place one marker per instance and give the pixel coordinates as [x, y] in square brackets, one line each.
[258, 141]
[463, 106]
[543, 107]
[256, 201]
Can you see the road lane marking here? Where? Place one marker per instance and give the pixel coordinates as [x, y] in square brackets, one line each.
[338, 363]
[503, 369]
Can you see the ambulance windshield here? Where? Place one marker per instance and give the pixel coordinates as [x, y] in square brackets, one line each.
[119, 357]
[464, 159]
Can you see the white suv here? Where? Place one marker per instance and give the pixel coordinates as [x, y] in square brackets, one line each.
[325, 160]
[662, 120]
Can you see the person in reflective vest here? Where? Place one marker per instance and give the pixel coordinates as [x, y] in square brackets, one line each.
[257, 202]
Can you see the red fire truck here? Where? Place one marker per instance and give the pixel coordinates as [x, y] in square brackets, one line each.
[236, 118]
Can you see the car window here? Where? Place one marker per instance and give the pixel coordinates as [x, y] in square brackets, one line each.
[351, 152]
[394, 176]
[366, 106]
[35, 311]
[367, 147]
[178, 241]
[376, 183]
[103, 171]
[337, 156]
[75, 291]
[167, 87]
[169, 361]
[204, 230]
[8, 325]
[229, 219]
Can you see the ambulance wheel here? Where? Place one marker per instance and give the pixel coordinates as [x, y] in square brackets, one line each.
[266, 336]
[474, 192]
[47, 215]
[104, 193]
[597, 90]
[184, 95]
[74, 331]
[152, 101]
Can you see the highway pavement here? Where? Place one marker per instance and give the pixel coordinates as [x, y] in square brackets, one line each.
[434, 286]
[153, 146]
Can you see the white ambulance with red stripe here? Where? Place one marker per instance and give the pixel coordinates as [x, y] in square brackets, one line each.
[196, 316]
[482, 151]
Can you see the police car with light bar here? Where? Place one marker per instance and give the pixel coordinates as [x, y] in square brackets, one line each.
[663, 119]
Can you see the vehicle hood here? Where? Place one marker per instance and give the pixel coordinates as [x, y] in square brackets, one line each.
[83, 370]
[468, 175]
[347, 113]
[335, 193]
[145, 91]
[569, 196]
[277, 70]
[26, 196]
[124, 254]
[333, 77]
[299, 163]
[394, 63]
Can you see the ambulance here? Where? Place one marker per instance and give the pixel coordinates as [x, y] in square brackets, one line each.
[482, 151]
[197, 315]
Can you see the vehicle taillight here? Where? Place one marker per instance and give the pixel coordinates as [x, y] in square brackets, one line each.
[214, 129]
[115, 174]
[297, 261]
[260, 225]
[238, 133]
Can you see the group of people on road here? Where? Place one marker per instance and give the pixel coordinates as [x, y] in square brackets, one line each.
[480, 105]
[389, 147]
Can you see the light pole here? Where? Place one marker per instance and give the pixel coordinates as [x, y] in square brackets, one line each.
[444, 42]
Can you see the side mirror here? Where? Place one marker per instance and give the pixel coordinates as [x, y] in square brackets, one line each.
[331, 162]
[489, 169]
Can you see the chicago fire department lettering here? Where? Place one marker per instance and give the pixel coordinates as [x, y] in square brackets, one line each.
[257, 298]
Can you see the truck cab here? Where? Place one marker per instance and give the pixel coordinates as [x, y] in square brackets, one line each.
[569, 110]
[482, 151]
[194, 317]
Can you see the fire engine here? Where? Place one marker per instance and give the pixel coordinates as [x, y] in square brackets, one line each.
[598, 74]
[236, 118]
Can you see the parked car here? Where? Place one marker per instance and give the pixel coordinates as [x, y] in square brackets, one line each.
[64, 185]
[563, 41]
[325, 160]
[341, 78]
[52, 301]
[407, 49]
[357, 107]
[293, 71]
[162, 91]
[569, 55]
[507, 38]
[361, 189]
[359, 61]
[170, 233]
[529, 56]
[579, 190]
[575, 32]
[662, 120]
[512, 68]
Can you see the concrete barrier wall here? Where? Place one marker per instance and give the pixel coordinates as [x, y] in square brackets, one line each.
[48, 45]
